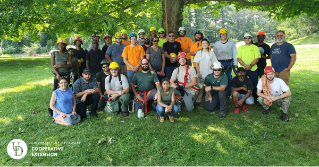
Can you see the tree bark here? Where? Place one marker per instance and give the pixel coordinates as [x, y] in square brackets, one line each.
[172, 15]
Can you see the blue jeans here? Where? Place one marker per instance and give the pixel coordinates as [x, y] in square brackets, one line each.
[249, 100]
[168, 71]
[161, 110]
[228, 70]
[130, 75]
[254, 79]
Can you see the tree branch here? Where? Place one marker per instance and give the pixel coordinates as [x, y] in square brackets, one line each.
[244, 2]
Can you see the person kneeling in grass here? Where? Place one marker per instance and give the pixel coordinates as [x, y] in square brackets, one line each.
[166, 101]
[63, 104]
[241, 89]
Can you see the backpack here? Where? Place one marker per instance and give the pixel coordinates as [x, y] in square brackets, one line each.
[119, 79]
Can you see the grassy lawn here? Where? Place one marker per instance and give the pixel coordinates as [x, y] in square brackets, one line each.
[310, 39]
[196, 138]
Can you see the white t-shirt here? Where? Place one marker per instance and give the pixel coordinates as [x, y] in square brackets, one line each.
[278, 86]
[205, 60]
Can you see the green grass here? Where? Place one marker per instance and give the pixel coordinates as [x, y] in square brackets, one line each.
[196, 138]
[310, 39]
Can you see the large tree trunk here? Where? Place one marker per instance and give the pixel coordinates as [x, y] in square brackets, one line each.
[172, 14]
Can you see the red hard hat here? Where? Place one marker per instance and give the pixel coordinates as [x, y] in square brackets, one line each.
[78, 39]
[262, 33]
[269, 69]
[106, 36]
[181, 55]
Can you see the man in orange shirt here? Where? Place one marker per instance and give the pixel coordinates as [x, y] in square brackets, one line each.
[197, 45]
[124, 38]
[186, 44]
[132, 56]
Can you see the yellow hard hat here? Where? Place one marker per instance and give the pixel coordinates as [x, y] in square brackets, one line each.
[61, 40]
[114, 65]
[118, 34]
[152, 29]
[172, 54]
[124, 31]
[223, 31]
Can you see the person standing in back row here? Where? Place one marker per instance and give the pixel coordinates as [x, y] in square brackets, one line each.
[171, 46]
[186, 44]
[94, 58]
[264, 53]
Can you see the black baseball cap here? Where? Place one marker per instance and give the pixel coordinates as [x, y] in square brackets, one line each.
[86, 71]
[241, 69]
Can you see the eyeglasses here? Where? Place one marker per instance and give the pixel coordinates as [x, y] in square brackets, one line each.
[118, 37]
[182, 32]
[219, 69]
[104, 67]
[113, 69]
[155, 41]
[171, 35]
[147, 38]
[247, 37]
[144, 63]
[142, 33]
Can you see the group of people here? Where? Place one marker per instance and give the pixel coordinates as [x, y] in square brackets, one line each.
[149, 72]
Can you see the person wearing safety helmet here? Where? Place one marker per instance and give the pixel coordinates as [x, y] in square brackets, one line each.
[95, 37]
[248, 55]
[124, 37]
[75, 66]
[80, 54]
[283, 57]
[114, 53]
[271, 89]
[186, 44]
[197, 45]
[108, 42]
[215, 87]
[61, 62]
[152, 33]
[100, 78]
[171, 46]
[264, 50]
[94, 58]
[117, 88]
[162, 37]
[140, 34]
[132, 56]
[226, 52]
[184, 88]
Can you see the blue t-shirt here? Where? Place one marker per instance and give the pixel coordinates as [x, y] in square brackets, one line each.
[80, 86]
[115, 53]
[64, 101]
[280, 55]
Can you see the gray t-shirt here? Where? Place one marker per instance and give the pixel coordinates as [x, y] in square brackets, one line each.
[61, 60]
[139, 42]
[115, 84]
[166, 99]
[156, 58]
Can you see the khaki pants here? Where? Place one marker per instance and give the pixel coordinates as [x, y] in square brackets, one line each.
[284, 75]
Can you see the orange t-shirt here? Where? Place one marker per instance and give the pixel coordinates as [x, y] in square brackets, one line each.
[133, 55]
[127, 42]
[195, 47]
[185, 43]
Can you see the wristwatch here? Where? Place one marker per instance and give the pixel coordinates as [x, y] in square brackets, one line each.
[251, 65]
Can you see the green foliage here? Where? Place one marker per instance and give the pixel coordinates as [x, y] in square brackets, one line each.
[43, 41]
[32, 49]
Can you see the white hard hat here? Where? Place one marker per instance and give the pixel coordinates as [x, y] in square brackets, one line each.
[141, 30]
[181, 29]
[217, 64]
[247, 34]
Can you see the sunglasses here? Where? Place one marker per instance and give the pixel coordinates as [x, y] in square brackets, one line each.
[95, 43]
[247, 37]
[279, 35]
[104, 66]
[142, 33]
[217, 69]
[113, 69]
[155, 41]
[118, 38]
[147, 38]
[161, 33]
[182, 32]
[171, 35]
[144, 63]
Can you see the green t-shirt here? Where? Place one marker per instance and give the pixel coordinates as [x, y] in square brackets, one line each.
[248, 54]
[161, 42]
[61, 60]
[74, 70]
[211, 81]
[100, 77]
[144, 81]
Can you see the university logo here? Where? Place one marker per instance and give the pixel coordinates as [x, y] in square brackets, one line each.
[17, 149]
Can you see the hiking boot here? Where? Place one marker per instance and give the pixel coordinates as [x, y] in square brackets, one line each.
[94, 114]
[162, 119]
[50, 112]
[245, 107]
[266, 111]
[171, 118]
[221, 115]
[125, 113]
[236, 111]
[284, 117]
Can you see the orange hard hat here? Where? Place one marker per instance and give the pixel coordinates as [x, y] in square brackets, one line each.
[269, 69]
[262, 33]
[181, 55]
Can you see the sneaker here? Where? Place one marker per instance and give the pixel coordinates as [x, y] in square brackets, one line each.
[221, 116]
[171, 118]
[284, 117]
[266, 111]
[245, 107]
[125, 113]
[94, 114]
[236, 111]
[162, 119]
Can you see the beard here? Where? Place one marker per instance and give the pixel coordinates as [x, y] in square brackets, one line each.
[198, 39]
[279, 41]
[147, 42]
[241, 76]
[145, 68]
